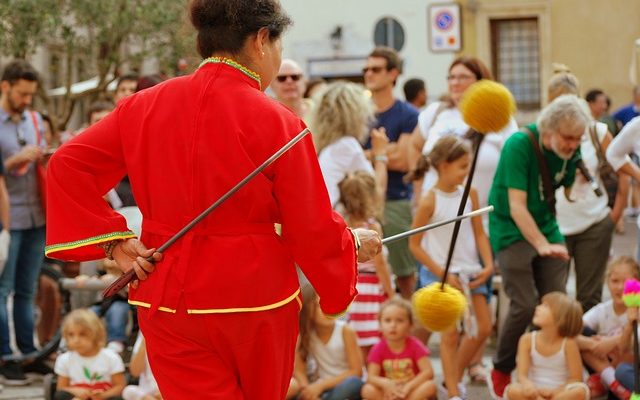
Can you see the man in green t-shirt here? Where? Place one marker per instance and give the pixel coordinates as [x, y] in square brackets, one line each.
[523, 229]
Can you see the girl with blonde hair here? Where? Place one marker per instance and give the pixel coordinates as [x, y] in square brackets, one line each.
[88, 370]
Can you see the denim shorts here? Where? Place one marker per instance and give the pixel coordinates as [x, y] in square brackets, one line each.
[426, 277]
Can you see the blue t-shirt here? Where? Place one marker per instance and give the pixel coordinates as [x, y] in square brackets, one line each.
[626, 114]
[400, 118]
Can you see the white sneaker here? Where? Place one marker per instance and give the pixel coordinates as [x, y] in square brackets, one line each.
[444, 393]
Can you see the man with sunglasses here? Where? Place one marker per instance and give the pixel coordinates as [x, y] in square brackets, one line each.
[398, 118]
[289, 87]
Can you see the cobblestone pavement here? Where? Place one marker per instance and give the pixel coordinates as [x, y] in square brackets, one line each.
[624, 244]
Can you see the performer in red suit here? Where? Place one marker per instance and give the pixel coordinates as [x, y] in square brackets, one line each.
[219, 310]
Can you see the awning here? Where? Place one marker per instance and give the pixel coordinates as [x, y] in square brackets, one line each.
[81, 87]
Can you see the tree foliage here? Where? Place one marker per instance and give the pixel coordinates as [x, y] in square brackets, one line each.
[104, 37]
[25, 24]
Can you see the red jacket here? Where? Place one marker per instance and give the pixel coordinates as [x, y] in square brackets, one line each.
[184, 143]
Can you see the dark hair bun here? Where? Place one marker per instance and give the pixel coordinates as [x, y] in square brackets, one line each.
[223, 25]
[211, 13]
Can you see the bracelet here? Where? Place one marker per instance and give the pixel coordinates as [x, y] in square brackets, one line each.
[381, 158]
[356, 240]
[109, 247]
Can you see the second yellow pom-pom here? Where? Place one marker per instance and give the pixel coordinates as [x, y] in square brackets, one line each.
[438, 309]
[487, 106]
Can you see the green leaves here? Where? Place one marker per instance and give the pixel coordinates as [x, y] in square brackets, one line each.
[91, 377]
[88, 38]
[25, 24]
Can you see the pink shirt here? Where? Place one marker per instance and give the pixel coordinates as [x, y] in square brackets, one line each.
[401, 366]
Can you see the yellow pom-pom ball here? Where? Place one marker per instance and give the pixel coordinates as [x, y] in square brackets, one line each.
[438, 309]
[487, 106]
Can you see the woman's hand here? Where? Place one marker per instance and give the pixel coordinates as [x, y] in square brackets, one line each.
[370, 244]
[379, 142]
[132, 253]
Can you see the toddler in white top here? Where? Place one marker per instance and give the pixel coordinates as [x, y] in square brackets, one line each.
[548, 361]
[87, 370]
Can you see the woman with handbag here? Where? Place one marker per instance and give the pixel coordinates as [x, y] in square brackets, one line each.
[587, 219]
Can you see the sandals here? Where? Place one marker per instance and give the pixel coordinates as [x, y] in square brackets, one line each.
[477, 374]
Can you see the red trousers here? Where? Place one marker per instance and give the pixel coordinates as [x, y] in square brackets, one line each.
[246, 355]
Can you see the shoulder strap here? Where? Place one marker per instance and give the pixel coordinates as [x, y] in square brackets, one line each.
[34, 120]
[547, 187]
[596, 144]
[441, 107]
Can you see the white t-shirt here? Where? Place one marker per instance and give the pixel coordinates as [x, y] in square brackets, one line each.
[449, 122]
[587, 208]
[91, 372]
[602, 318]
[341, 157]
[627, 141]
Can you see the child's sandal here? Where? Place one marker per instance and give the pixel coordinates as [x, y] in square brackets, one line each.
[477, 374]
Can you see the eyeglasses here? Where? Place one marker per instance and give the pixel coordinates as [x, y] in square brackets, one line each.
[375, 70]
[294, 77]
[460, 77]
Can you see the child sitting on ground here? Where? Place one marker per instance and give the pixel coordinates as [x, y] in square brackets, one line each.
[147, 388]
[606, 322]
[87, 371]
[331, 345]
[398, 366]
[548, 361]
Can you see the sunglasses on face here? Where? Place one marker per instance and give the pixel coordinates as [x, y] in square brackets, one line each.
[375, 70]
[294, 77]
